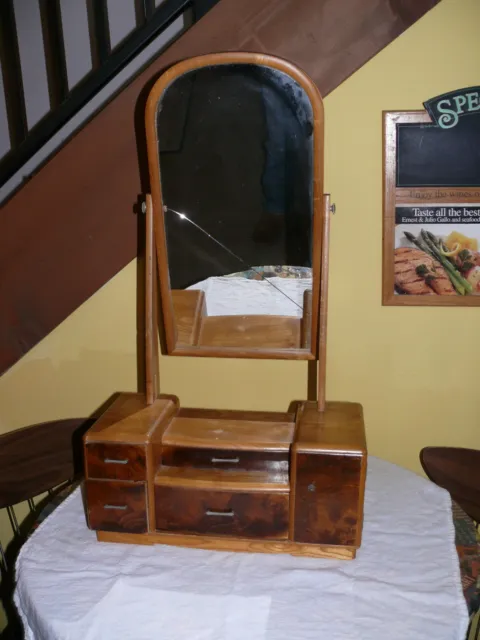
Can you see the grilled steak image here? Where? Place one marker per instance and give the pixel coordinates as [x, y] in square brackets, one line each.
[417, 273]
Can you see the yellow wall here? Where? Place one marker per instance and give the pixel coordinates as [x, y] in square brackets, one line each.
[413, 369]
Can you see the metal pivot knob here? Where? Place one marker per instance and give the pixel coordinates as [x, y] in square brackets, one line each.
[333, 208]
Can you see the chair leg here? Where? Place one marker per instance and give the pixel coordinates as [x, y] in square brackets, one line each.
[13, 521]
[3, 560]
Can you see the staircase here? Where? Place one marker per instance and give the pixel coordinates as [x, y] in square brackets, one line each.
[73, 164]
[71, 69]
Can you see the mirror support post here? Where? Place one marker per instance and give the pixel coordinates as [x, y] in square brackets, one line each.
[151, 325]
[322, 325]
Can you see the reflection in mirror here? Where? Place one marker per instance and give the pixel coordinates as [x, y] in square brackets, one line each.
[236, 155]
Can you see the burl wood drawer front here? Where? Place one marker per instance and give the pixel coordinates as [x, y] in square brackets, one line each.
[116, 506]
[270, 461]
[114, 461]
[327, 495]
[250, 515]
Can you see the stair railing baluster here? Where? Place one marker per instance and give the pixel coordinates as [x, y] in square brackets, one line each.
[12, 75]
[53, 43]
[99, 31]
[143, 11]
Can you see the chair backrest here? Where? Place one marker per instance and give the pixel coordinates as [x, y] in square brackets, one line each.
[34, 460]
[37, 458]
[458, 471]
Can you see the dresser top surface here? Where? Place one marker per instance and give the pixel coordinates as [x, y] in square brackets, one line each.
[130, 419]
[338, 429]
[231, 430]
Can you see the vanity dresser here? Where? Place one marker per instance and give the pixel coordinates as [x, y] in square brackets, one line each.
[237, 230]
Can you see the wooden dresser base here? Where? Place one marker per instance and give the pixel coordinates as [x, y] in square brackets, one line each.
[249, 481]
[218, 543]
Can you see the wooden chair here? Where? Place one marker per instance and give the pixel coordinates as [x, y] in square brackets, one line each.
[34, 460]
[458, 471]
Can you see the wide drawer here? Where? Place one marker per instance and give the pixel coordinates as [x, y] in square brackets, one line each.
[116, 506]
[115, 461]
[227, 459]
[252, 515]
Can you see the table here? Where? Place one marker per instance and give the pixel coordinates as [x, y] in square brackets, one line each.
[403, 585]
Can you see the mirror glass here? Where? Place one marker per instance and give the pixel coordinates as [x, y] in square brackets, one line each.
[235, 145]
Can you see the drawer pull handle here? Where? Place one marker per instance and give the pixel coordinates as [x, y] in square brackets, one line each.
[113, 461]
[227, 514]
[121, 507]
[227, 460]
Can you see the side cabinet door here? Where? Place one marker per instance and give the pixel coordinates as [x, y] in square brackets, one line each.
[328, 498]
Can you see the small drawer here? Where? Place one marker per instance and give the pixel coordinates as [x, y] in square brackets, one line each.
[247, 515]
[116, 506]
[226, 459]
[113, 461]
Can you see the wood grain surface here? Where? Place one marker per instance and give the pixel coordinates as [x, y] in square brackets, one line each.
[327, 495]
[251, 332]
[229, 433]
[297, 475]
[152, 383]
[227, 459]
[230, 543]
[129, 419]
[224, 480]
[458, 471]
[257, 515]
[189, 308]
[328, 472]
[116, 506]
[306, 323]
[115, 461]
[259, 353]
[236, 414]
[339, 428]
[323, 313]
[40, 457]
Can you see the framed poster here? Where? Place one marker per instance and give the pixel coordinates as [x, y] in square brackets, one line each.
[431, 202]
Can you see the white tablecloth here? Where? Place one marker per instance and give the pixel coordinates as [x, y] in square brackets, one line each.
[231, 296]
[404, 584]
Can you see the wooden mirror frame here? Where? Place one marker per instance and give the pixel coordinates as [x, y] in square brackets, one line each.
[173, 300]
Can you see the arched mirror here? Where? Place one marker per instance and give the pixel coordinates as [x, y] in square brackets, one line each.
[235, 151]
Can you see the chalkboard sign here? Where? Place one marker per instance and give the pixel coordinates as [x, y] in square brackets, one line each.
[429, 156]
[432, 202]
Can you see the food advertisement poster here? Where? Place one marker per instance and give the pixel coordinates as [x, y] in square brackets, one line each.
[432, 203]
